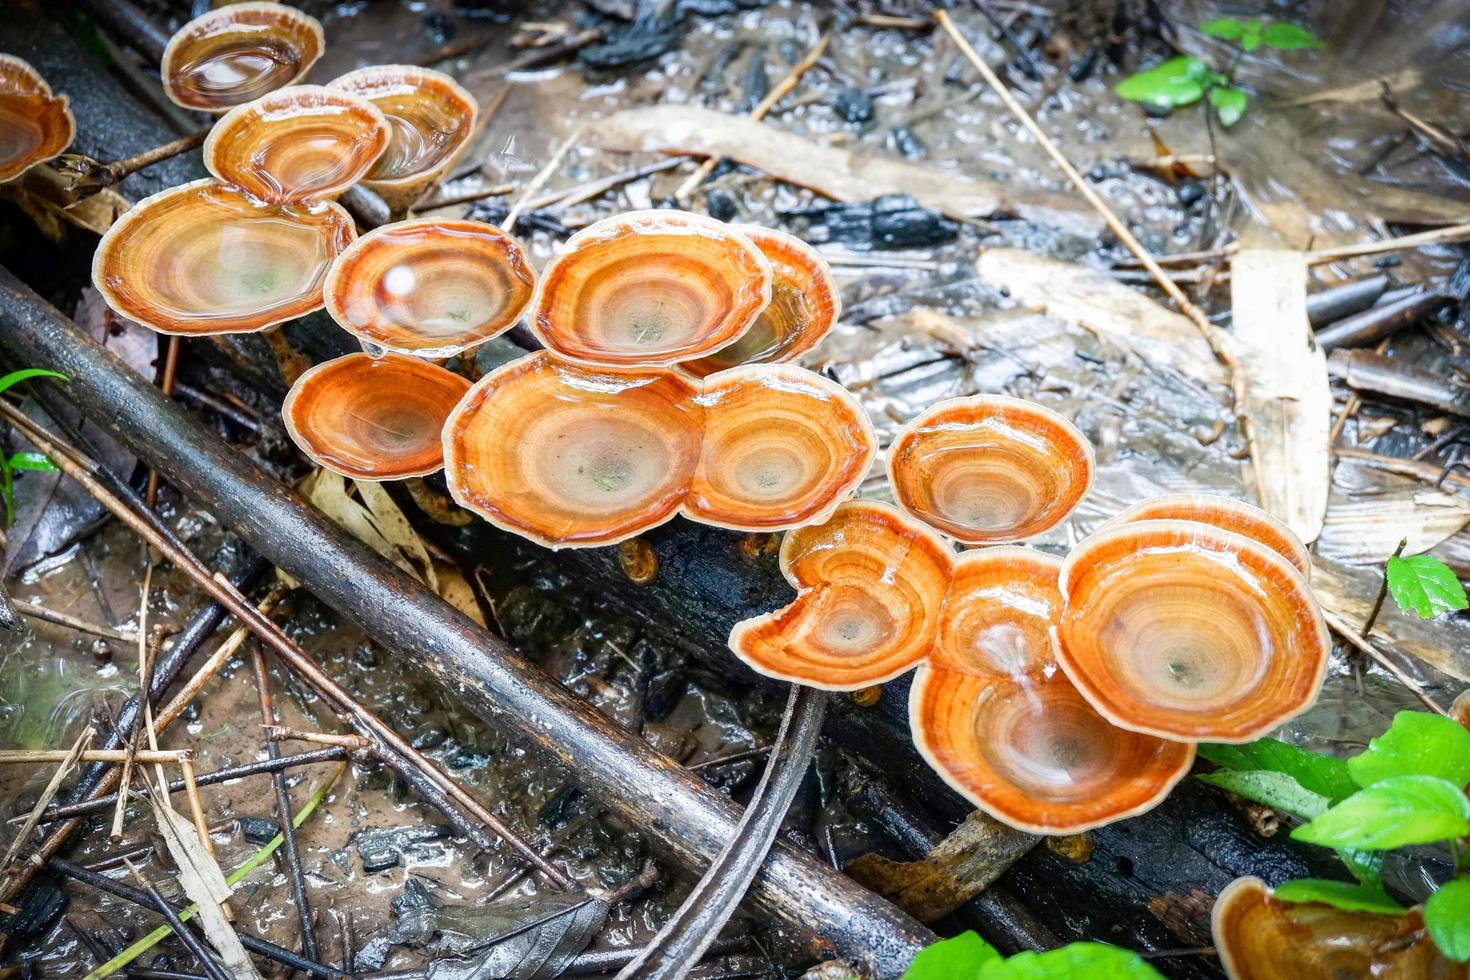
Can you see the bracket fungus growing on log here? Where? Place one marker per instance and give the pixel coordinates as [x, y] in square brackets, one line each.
[650, 288]
[1226, 513]
[1189, 632]
[1261, 937]
[870, 586]
[237, 53]
[990, 469]
[430, 287]
[432, 118]
[373, 418]
[35, 126]
[994, 716]
[804, 306]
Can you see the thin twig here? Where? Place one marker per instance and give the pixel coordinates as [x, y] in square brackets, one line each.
[186, 935]
[539, 180]
[1382, 592]
[1345, 630]
[80, 746]
[71, 622]
[165, 385]
[280, 733]
[782, 88]
[29, 756]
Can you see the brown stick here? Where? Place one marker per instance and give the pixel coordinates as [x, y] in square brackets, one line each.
[166, 385]
[1382, 592]
[26, 756]
[1345, 630]
[63, 619]
[280, 733]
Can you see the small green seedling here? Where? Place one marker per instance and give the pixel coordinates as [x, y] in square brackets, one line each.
[26, 459]
[1424, 585]
[1184, 80]
[968, 957]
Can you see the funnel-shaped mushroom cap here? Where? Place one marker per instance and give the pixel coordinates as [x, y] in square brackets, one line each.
[35, 126]
[432, 119]
[870, 585]
[373, 418]
[203, 258]
[1223, 512]
[804, 306]
[573, 456]
[1262, 938]
[232, 55]
[650, 287]
[994, 716]
[303, 143]
[1185, 631]
[783, 447]
[990, 469]
[430, 287]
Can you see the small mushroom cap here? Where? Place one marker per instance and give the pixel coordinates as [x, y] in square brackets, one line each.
[237, 53]
[650, 288]
[1189, 632]
[804, 306]
[430, 287]
[431, 117]
[1006, 729]
[1262, 938]
[203, 258]
[990, 469]
[373, 418]
[301, 144]
[35, 126]
[783, 446]
[572, 456]
[870, 585]
[1223, 512]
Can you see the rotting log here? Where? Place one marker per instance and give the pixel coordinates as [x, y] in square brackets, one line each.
[686, 815]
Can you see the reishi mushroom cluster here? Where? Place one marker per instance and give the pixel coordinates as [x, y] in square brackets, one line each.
[1055, 693]
[35, 126]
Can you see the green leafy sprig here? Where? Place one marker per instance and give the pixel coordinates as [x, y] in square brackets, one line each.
[25, 459]
[968, 957]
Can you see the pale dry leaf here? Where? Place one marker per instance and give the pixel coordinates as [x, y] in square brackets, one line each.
[328, 492]
[455, 589]
[396, 529]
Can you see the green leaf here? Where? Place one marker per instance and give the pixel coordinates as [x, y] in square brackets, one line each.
[1225, 28]
[1416, 744]
[1288, 37]
[1447, 917]
[1275, 789]
[1095, 961]
[1391, 813]
[1319, 773]
[1176, 82]
[961, 956]
[1338, 894]
[1366, 866]
[16, 377]
[1229, 103]
[1425, 585]
[29, 459]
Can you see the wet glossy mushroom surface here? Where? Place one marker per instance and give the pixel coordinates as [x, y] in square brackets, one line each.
[804, 306]
[373, 418]
[1227, 513]
[237, 53]
[650, 288]
[430, 287]
[1004, 727]
[431, 118]
[35, 126]
[204, 258]
[870, 586]
[573, 456]
[990, 469]
[305, 143]
[1186, 631]
[1260, 937]
[783, 446]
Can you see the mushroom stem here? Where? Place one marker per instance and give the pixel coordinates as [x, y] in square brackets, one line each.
[1382, 591]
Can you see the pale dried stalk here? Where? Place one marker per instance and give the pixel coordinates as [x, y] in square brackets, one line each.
[67, 764]
[280, 733]
[765, 105]
[24, 756]
[539, 180]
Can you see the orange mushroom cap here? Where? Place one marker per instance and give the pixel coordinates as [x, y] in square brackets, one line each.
[204, 258]
[430, 287]
[1260, 937]
[650, 288]
[870, 586]
[1189, 632]
[783, 446]
[431, 117]
[373, 418]
[804, 306]
[1004, 727]
[573, 456]
[35, 126]
[300, 144]
[1223, 512]
[990, 469]
[237, 53]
